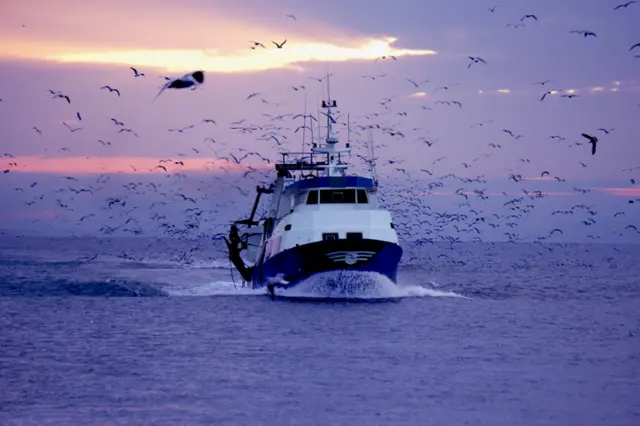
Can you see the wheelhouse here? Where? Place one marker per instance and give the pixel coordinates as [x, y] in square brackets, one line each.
[351, 192]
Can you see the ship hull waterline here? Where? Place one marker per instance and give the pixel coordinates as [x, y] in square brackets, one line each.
[291, 266]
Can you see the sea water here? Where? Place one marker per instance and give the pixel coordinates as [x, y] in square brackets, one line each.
[137, 331]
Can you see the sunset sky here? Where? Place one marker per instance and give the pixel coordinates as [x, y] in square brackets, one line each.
[76, 47]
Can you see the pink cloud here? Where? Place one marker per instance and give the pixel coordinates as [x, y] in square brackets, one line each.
[32, 214]
[145, 165]
[622, 192]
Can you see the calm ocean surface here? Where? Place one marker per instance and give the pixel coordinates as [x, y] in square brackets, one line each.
[138, 331]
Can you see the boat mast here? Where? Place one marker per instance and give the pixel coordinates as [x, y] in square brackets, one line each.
[333, 166]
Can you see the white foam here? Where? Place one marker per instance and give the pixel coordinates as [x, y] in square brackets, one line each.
[334, 284]
[210, 264]
[358, 285]
[216, 288]
[419, 291]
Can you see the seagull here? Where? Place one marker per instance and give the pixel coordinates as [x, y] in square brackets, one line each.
[182, 129]
[445, 87]
[72, 129]
[256, 44]
[292, 17]
[545, 95]
[60, 95]
[137, 74]
[279, 46]
[128, 130]
[542, 83]
[593, 141]
[634, 46]
[493, 9]
[385, 57]
[275, 139]
[585, 33]
[627, 4]
[320, 80]
[186, 81]
[475, 60]
[111, 89]
[529, 16]
[417, 84]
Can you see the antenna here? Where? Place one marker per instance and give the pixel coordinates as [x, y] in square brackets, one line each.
[318, 122]
[348, 130]
[304, 122]
[311, 128]
[372, 160]
[328, 87]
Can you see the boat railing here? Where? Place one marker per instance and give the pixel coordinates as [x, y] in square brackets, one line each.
[296, 157]
[303, 162]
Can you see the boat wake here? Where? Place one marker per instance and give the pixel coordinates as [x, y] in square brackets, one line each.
[356, 285]
[332, 286]
[216, 288]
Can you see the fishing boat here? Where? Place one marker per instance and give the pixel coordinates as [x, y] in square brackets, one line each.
[319, 219]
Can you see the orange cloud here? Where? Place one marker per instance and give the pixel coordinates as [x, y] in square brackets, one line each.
[144, 165]
[259, 60]
[176, 41]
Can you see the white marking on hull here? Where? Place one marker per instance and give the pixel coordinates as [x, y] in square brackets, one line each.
[350, 257]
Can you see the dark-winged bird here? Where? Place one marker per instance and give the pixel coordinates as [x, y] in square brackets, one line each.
[475, 60]
[111, 89]
[584, 33]
[593, 141]
[627, 4]
[186, 81]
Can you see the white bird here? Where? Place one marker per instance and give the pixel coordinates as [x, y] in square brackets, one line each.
[137, 74]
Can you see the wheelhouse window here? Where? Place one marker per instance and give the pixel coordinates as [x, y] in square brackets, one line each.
[312, 198]
[362, 196]
[337, 196]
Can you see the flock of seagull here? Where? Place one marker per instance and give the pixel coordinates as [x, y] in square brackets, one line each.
[404, 192]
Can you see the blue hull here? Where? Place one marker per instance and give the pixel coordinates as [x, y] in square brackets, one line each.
[301, 262]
